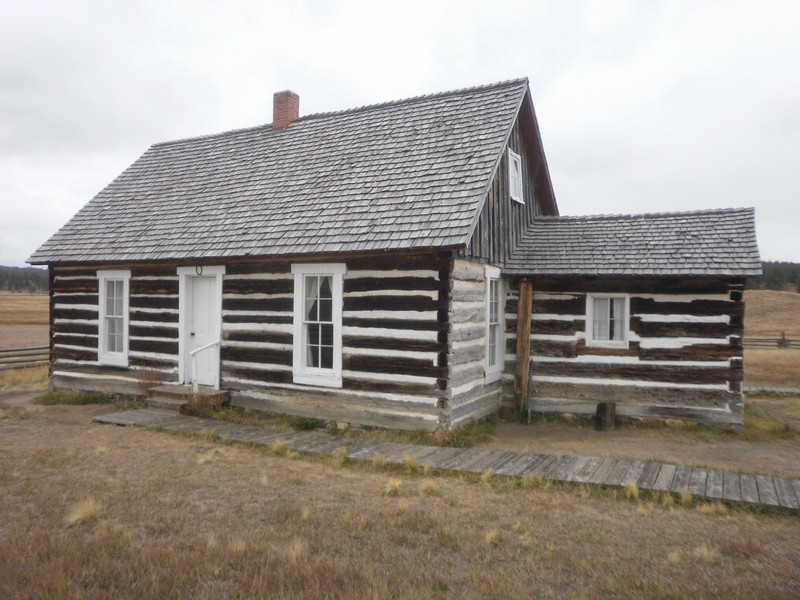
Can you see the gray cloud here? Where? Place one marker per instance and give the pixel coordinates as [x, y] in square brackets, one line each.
[643, 106]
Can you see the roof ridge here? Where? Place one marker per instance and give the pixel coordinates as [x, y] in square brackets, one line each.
[357, 109]
[206, 136]
[377, 105]
[652, 215]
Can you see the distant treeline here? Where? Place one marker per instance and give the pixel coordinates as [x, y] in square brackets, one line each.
[23, 279]
[778, 275]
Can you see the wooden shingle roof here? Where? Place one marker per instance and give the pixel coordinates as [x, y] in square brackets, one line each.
[393, 176]
[707, 242]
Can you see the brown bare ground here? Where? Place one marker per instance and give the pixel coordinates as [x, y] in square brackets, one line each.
[767, 447]
[90, 511]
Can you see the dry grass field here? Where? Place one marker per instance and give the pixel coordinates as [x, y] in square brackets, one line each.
[90, 511]
[768, 313]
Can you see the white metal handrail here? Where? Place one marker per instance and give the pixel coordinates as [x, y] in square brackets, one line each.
[193, 356]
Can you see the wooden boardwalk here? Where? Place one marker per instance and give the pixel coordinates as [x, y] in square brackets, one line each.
[708, 484]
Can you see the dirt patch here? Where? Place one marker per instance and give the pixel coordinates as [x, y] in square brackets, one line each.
[769, 453]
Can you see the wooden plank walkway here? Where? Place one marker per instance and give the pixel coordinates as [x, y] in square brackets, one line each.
[707, 484]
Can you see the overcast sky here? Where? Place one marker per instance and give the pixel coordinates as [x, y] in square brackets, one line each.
[643, 106]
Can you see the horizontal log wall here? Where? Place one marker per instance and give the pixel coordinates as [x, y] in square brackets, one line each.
[684, 356]
[469, 397]
[394, 341]
[153, 329]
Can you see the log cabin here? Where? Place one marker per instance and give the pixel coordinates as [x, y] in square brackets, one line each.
[399, 265]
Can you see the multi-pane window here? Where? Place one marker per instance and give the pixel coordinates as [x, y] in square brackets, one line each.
[495, 344]
[318, 321]
[515, 176]
[113, 318]
[607, 321]
[317, 358]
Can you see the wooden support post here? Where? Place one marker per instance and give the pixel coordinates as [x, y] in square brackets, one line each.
[605, 418]
[522, 371]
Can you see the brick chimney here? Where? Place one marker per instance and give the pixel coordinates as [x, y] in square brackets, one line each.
[285, 109]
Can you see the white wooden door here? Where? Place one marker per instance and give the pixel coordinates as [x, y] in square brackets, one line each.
[203, 330]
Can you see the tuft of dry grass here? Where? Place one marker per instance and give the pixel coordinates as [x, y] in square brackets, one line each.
[85, 511]
[378, 461]
[686, 498]
[632, 491]
[278, 447]
[712, 508]
[492, 537]
[429, 487]
[674, 558]
[410, 463]
[487, 476]
[706, 554]
[393, 487]
[339, 457]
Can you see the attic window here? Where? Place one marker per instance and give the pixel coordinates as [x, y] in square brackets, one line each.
[515, 176]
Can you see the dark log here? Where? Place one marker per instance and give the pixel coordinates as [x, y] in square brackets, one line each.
[73, 313]
[82, 299]
[406, 324]
[555, 349]
[368, 284]
[156, 287]
[153, 317]
[258, 286]
[72, 354]
[150, 362]
[393, 365]
[633, 284]
[634, 394]
[636, 371]
[695, 307]
[259, 319]
[380, 343]
[631, 350]
[388, 387]
[153, 302]
[154, 346]
[391, 303]
[699, 330]
[149, 331]
[259, 336]
[154, 270]
[698, 352]
[264, 356]
[90, 343]
[259, 304]
[84, 328]
[75, 286]
[88, 272]
[559, 327]
[567, 306]
[270, 266]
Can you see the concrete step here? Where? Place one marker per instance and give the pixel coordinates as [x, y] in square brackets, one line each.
[167, 403]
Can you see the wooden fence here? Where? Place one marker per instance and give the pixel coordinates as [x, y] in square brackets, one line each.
[23, 358]
[781, 342]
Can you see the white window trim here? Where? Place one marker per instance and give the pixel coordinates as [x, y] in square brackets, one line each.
[590, 341]
[184, 275]
[494, 373]
[516, 192]
[104, 356]
[303, 374]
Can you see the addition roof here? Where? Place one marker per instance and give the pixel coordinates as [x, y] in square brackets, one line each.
[393, 176]
[707, 242]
